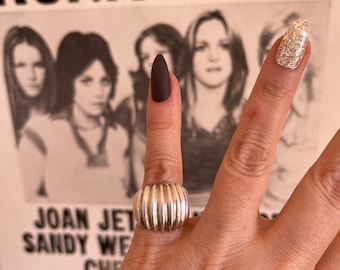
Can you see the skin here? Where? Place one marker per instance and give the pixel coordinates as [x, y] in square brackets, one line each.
[230, 234]
[149, 49]
[29, 69]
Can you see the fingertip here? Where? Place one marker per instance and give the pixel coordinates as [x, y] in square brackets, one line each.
[163, 162]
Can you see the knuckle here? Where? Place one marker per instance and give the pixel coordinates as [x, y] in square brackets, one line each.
[252, 156]
[274, 90]
[326, 177]
[161, 124]
[162, 168]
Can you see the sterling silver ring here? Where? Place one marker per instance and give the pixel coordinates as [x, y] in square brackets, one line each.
[161, 207]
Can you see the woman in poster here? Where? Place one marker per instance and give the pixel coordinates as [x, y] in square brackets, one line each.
[29, 74]
[131, 112]
[214, 70]
[78, 152]
[295, 140]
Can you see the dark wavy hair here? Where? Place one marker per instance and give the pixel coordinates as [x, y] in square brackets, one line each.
[237, 79]
[76, 53]
[164, 34]
[18, 100]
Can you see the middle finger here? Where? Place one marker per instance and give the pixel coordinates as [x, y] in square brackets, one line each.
[242, 177]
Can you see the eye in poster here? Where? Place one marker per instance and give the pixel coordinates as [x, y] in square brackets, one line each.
[74, 86]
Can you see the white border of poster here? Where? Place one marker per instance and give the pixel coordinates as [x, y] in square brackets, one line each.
[95, 236]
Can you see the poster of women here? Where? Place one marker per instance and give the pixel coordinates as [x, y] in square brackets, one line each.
[74, 77]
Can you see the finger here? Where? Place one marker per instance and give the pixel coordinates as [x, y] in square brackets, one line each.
[242, 178]
[311, 218]
[163, 160]
[330, 260]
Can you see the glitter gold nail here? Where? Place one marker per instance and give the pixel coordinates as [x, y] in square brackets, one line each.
[293, 44]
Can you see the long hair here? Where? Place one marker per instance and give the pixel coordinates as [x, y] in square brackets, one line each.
[19, 102]
[76, 53]
[164, 34]
[236, 80]
[270, 31]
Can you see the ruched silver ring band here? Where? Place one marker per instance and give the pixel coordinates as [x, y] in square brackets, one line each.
[162, 207]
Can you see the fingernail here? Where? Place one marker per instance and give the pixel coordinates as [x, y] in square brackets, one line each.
[293, 44]
[160, 79]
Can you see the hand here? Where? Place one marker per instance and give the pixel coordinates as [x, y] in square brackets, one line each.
[230, 233]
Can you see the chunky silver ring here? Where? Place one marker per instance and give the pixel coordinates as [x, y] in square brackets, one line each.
[161, 207]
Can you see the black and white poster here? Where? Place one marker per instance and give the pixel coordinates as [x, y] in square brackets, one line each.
[74, 78]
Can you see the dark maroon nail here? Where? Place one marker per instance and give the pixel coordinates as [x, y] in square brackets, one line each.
[160, 79]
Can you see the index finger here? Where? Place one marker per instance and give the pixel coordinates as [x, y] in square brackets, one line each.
[163, 159]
